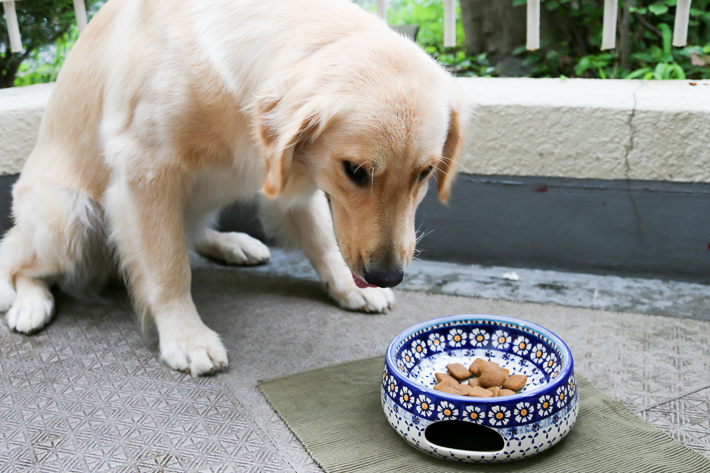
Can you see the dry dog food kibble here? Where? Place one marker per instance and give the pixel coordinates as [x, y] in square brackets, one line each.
[458, 371]
[444, 378]
[515, 382]
[491, 377]
[477, 366]
[487, 381]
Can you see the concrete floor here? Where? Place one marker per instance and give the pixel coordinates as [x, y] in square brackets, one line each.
[88, 393]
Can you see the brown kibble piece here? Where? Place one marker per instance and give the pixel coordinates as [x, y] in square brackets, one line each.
[444, 378]
[477, 366]
[506, 392]
[495, 390]
[505, 372]
[491, 365]
[515, 382]
[447, 388]
[458, 371]
[474, 382]
[492, 378]
[476, 391]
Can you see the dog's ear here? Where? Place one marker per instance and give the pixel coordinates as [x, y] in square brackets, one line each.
[453, 147]
[280, 129]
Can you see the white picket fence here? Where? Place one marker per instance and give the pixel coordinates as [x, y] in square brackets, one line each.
[13, 27]
[680, 31]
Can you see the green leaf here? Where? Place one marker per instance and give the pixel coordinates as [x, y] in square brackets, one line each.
[517, 3]
[658, 9]
[667, 37]
[637, 73]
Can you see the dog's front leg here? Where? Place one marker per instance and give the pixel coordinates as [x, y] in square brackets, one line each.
[311, 226]
[146, 216]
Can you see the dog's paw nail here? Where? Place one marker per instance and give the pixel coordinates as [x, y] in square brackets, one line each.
[389, 306]
[187, 370]
[222, 365]
[212, 370]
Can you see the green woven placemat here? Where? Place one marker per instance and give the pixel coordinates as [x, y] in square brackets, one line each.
[336, 414]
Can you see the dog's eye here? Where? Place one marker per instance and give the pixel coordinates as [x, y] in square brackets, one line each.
[425, 173]
[356, 173]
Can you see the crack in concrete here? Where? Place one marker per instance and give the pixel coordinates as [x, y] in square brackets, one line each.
[627, 166]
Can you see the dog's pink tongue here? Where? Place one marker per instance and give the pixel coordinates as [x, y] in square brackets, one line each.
[360, 283]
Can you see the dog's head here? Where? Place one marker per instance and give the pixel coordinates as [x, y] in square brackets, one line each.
[372, 142]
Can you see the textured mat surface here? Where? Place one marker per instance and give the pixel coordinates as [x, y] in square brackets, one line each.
[88, 393]
[337, 415]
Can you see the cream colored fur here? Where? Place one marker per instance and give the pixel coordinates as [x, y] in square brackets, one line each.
[167, 110]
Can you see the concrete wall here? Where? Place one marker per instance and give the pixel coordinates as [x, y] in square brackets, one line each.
[595, 129]
[21, 110]
[579, 128]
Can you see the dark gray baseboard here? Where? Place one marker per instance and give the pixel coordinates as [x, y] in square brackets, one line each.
[622, 227]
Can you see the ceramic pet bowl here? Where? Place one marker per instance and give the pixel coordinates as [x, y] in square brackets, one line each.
[476, 429]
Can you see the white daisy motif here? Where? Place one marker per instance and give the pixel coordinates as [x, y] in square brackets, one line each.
[436, 342]
[523, 412]
[561, 396]
[400, 365]
[405, 397]
[446, 411]
[545, 404]
[384, 377]
[473, 414]
[408, 358]
[498, 415]
[479, 337]
[419, 348]
[424, 406]
[501, 339]
[571, 385]
[456, 337]
[391, 386]
[538, 353]
[550, 363]
[521, 346]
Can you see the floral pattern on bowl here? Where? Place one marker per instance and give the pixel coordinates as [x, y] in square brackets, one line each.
[531, 421]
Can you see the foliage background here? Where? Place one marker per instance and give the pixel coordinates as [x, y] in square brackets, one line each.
[649, 32]
[48, 31]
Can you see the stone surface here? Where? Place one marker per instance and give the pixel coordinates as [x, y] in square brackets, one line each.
[89, 394]
[586, 128]
[581, 128]
[21, 110]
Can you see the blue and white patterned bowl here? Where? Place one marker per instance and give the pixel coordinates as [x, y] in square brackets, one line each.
[470, 429]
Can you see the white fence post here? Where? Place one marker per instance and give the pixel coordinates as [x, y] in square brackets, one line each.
[609, 28]
[533, 27]
[680, 29]
[13, 27]
[449, 23]
[382, 9]
[80, 12]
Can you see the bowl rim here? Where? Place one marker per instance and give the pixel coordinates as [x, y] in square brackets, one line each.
[389, 356]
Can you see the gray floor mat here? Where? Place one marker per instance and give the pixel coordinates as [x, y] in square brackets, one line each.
[88, 393]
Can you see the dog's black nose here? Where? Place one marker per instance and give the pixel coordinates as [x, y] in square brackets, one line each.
[383, 277]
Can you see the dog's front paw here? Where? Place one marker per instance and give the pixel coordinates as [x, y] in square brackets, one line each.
[370, 299]
[197, 352]
[234, 248]
[31, 310]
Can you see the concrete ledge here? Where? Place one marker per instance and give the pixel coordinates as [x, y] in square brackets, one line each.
[590, 129]
[578, 128]
[21, 110]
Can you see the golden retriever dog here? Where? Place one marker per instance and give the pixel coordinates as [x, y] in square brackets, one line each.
[167, 110]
